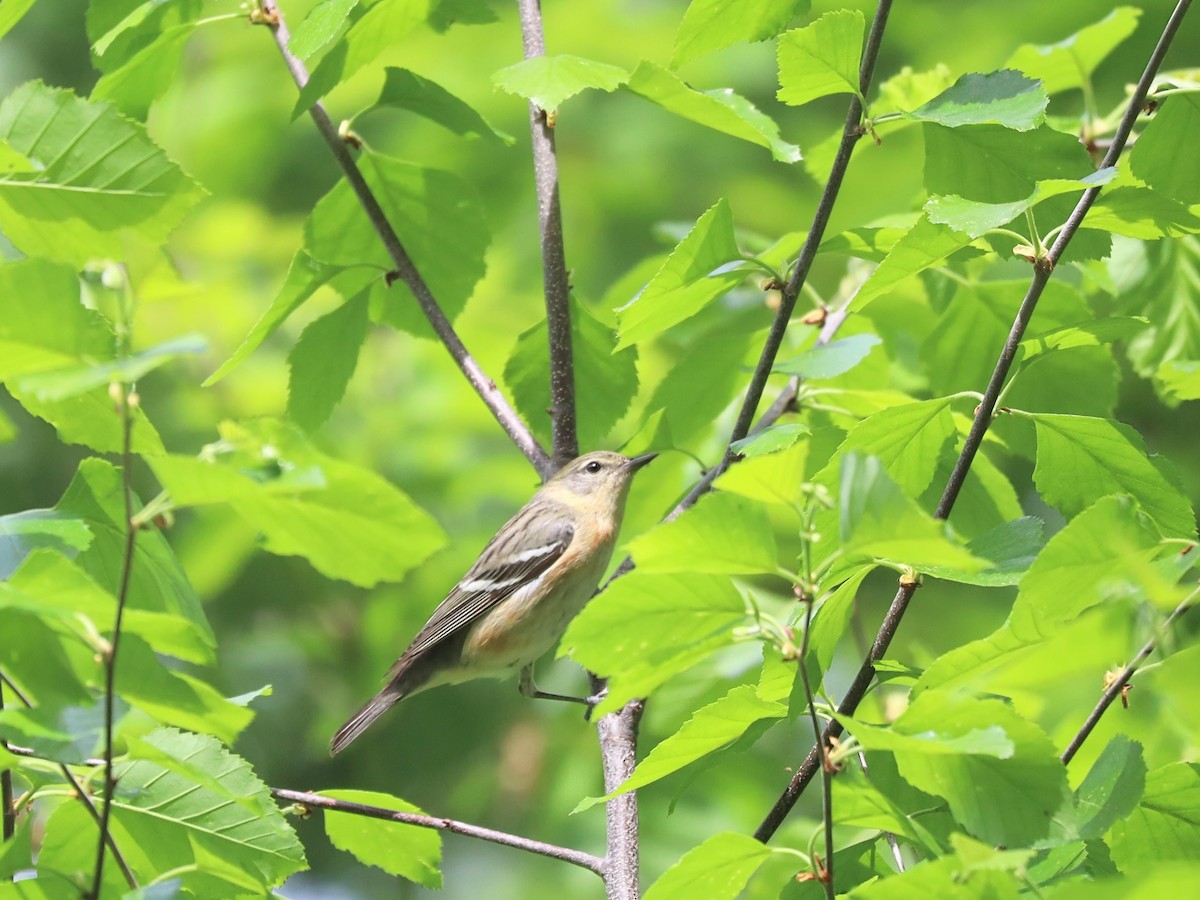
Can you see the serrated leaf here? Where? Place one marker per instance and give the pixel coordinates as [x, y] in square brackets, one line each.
[348, 522]
[710, 25]
[1004, 98]
[722, 109]
[380, 28]
[1159, 281]
[1180, 379]
[709, 729]
[1070, 62]
[681, 619]
[1166, 824]
[721, 534]
[323, 362]
[145, 77]
[908, 439]
[162, 808]
[102, 188]
[547, 81]
[407, 90]
[770, 440]
[405, 850]
[996, 164]
[822, 58]
[718, 869]
[926, 244]
[1080, 458]
[605, 381]
[1155, 157]
[439, 218]
[1084, 334]
[320, 26]
[695, 274]
[829, 360]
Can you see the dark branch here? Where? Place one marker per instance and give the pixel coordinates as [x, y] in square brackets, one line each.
[1115, 689]
[983, 418]
[564, 854]
[8, 812]
[495, 401]
[554, 264]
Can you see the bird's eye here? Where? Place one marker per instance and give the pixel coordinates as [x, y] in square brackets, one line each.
[593, 467]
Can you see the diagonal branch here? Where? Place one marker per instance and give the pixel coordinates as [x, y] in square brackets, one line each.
[557, 285]
[983, 418]
[1115, 689]
[492, 397]
[563, 854]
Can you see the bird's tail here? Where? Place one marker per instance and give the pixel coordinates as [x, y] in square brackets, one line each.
[362, 720]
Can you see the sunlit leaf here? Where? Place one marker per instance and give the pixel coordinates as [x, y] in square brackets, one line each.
[821, 58]
[710, 25]
[404, 850]
[547, 81]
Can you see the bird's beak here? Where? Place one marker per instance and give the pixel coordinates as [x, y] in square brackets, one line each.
[638, 461]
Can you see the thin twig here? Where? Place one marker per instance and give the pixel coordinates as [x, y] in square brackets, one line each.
[1118, 685]
[7, 811]
[78, 789]
[406, 270]
[983, 417]
[110, 658]
[564, 854]
[554, 264]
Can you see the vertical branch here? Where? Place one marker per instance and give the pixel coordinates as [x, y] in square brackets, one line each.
[268, 14]
[556, 284]
[1043, 269]
[8, 812]
[618, 743]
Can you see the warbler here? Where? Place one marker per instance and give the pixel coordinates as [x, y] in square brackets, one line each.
[515, 602]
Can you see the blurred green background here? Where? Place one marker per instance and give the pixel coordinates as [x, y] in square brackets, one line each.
[480, 752]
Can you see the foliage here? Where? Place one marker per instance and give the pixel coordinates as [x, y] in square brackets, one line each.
[187, 289]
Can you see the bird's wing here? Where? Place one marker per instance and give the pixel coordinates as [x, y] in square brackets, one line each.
[486, 585]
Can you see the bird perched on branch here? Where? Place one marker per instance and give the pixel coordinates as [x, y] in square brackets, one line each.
[515, 602]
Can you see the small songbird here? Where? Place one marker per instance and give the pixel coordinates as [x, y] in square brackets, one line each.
[515, 602]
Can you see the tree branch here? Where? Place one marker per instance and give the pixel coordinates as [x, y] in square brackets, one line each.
[618, 743]
[8, 813]
[563, 854]
[554, 264]
[1118, 685]
[492, 397]
[983, 417]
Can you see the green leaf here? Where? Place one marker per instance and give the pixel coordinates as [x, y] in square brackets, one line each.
[90, 419]
[407, 90]
[924, 245]
[1004, 98]
[1083, 334]
[24, 532]
[769, 478]
[1111, 789]
[323, 362]
[166, 812]
[102, 188]
[822, 58]
[829, 360]
[695, 274]
[833, 615]
[709, 729]
[145, 77]
[1155, 157]
[986, 740]
[680, 620]
[348, 522]
[439, 218]
[546, 81]
[1081, 458]
[1159, 281]
[877, 520]
[1007, 551]
[605, 381]
[718, 869]
[380, 28]
[908, 439]
[980, 788]
[157, 582]
[1139, 212]
[64, 734]
[11, 13]
[320, 26]
[769, 440]
[1180, 379]
[1103, 552]
[710, 25]
[35, 655]
[405, 850]
[62, 384]
[1166, 824]
[1070, 62]
[721, 534]
[722, 110]
[305, 276]
[996, 164]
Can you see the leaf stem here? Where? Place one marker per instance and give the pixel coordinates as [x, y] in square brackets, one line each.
[556, 284]
[484, 386]
[565, 854]
[983, 416]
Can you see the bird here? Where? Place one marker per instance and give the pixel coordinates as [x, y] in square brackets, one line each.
[533, 577]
